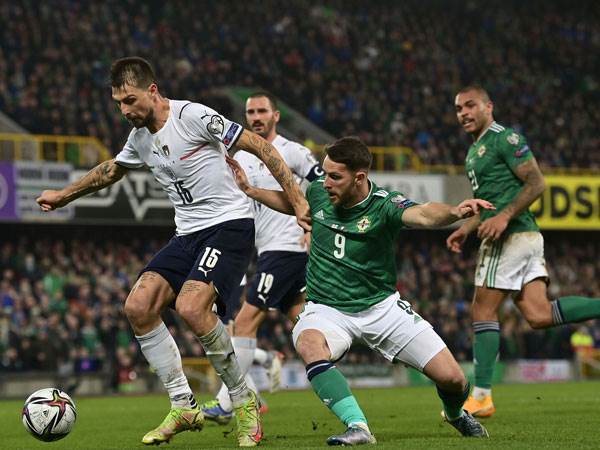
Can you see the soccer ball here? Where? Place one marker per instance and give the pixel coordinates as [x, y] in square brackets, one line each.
[49, 414]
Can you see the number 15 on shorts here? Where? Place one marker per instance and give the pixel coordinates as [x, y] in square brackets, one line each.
[209, 259]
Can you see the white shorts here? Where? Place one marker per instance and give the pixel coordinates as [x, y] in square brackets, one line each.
[512, 262]
[388, 327]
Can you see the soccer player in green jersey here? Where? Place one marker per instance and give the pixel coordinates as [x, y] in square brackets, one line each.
[503, 170]
[351, 293]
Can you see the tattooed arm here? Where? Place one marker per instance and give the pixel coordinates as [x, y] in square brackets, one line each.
[104, 174]
[533, 186]
[259, 147]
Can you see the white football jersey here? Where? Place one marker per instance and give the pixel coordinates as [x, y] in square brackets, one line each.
[187, 158]
[276, 231]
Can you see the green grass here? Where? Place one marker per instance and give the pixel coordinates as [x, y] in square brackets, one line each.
[540, 416]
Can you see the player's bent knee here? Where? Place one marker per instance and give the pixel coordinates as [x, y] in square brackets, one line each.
[188, 309]
[539, 322]
[454, 381]
[445, 372]
[311, 345]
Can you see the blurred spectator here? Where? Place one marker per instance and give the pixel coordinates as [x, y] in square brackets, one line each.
[582, 342]
[78, 326]
[387, 71]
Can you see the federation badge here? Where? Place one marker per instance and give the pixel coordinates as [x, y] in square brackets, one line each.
[513, 138]
[230, 133]
[522, 151]
[401, 201]
[481, 151]
[363, 224]
[216, 125]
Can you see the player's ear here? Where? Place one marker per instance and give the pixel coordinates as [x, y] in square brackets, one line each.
[277, 116]
[153, 89]
[360, 177]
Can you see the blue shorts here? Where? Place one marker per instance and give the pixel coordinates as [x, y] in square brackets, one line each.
[220, 254]
[279, 278]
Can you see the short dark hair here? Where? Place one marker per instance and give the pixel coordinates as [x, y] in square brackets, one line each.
[131, 70]
[271, 97]
[351, 151]
[477, 88]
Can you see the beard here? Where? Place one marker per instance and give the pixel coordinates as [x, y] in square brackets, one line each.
[142, 122]
[266, 128]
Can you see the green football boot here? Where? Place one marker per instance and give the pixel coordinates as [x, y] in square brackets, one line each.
[249, 427]
[178, 420]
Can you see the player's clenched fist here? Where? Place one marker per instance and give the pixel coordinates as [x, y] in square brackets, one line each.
[50, 200]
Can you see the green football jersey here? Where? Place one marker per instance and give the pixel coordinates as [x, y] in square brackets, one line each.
[489, 165]
[352, 264]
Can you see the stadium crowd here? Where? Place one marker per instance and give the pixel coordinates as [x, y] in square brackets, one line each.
[386, 71]
[61, 303]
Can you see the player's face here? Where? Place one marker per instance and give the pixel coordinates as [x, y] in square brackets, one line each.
[260, 116]
[340, 182]
[136, 104]
[473, 111]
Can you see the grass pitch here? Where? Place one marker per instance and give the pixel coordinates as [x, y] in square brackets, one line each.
[540, 416]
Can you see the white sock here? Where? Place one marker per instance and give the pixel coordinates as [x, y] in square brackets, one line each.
[362, 425]
[244, 351]
[223, 394]
[219, 350]
[260, 356]
[162, 354]
[480, 393]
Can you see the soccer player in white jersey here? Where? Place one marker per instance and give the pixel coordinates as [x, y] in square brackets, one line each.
[184, 144]
[279, 281]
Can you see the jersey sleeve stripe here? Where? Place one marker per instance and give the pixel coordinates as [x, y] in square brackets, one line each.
[128, 165]
[182, 108]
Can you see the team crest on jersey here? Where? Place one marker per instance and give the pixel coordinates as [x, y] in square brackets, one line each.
[481, 151]
[216, 125]
[166, 151]
[363, 224]
[513, 138]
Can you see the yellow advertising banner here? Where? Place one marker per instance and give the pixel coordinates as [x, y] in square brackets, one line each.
[570, 202]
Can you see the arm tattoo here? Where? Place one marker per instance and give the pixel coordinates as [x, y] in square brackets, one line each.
[279, 170]
[104, 174]
[533, 186]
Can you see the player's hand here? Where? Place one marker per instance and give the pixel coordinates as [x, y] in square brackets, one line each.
[305, 241]
[456, 240]
[238, 174]
[302, 211]
[493, 227]
[470, 207]
[50, 200]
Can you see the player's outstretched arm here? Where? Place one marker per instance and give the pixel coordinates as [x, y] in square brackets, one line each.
[104, 174]
[276, 200]
[432, 215]
[253, 143]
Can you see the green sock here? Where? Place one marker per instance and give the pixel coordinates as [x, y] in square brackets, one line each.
[333, 390]
[453, 402]
[575, 309]
[485, 351]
